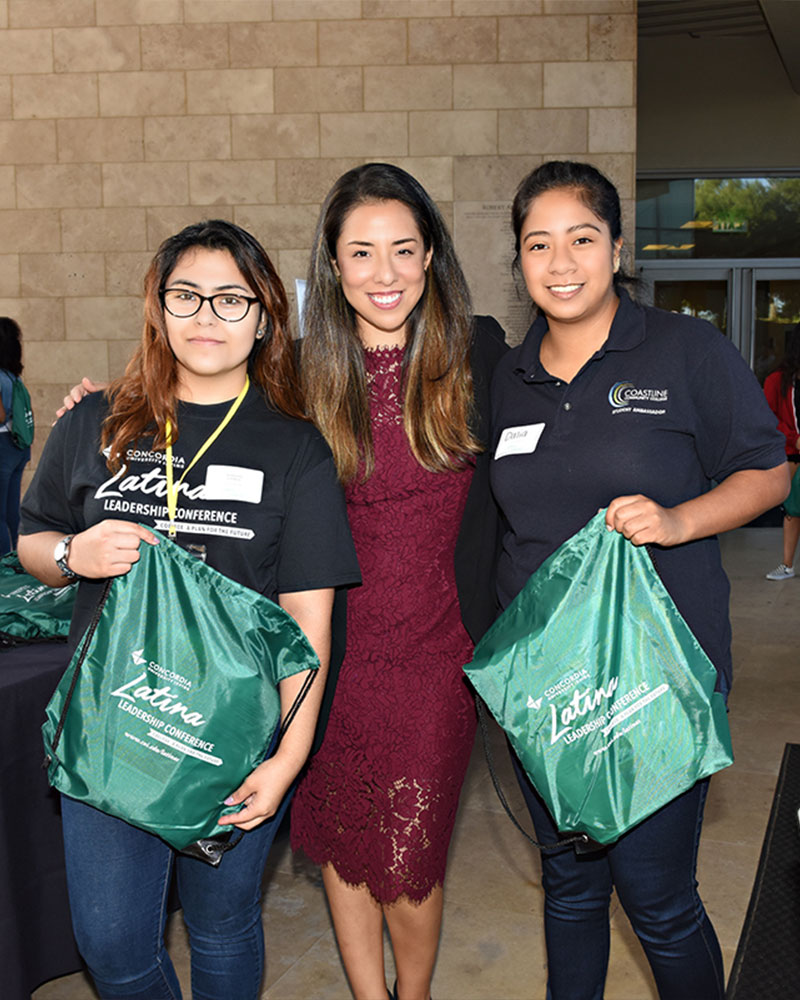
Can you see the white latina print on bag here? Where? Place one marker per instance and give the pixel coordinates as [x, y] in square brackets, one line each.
[161, 698]
[581, 704]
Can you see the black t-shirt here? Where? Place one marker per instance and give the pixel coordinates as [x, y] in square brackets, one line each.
[264, 499]
[664, 408]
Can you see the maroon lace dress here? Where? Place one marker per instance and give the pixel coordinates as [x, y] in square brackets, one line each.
[380, 797]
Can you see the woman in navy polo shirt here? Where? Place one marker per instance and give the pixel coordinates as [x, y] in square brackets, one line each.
[640, 411]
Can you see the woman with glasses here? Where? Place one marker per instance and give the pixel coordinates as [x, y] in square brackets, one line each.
[258, 499]
[396, 376]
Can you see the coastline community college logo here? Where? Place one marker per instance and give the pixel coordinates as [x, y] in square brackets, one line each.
[625, 396]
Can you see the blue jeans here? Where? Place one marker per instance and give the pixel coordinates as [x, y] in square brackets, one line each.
[118, 879]
[12, 461]
[652, 868]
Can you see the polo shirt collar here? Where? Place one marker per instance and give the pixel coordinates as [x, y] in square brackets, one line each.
[627, 331]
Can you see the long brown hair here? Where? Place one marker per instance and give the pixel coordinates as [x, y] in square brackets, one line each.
[144, 398]
[436, 371]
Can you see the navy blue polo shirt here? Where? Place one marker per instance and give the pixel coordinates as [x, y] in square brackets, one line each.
[666, 407]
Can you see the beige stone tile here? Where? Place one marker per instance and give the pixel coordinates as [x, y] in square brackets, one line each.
[290, 227]
[229, 91]
[27, 142]
[543, 39]
[620, 168]
[408, 88]
[57, 274]
[589, 6]
[165, 221]
[309, 180]
[125, 272]
[9, 274]
[30, 230]
[475, 8]
[119, 354]
[39, 319]
[3, 13]
[276, 44]
[220, 182]
[318, 89]
[349, 43]
[612, 36]
[409, 8]
[83, 50]
[69, 363]
[210, 11]
[139, 11]
[597, 84]
[85, 229]
[58, 185]
[50, 13]
[542, 131]
[8, 188]
[370, 134]
[274, 136]
[629, 976]
[5, 96]
[141, 94]
[103, 318]
[318, 10]
[62, 95]
[26, 51]
[513, 85]
[145, 184]
[725, 874]
[490, 178]
[612, 130]
[463, 39]
[100, 140]
[453, 133]
[292, 264]
[435, 173]
[200, 137]
[182, 46]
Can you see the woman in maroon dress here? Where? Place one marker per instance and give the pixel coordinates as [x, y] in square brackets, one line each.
[391, 367]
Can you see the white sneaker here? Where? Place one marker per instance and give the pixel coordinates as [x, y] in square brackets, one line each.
[783, 572]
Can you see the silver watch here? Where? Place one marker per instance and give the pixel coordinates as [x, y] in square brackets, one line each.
[61, 554]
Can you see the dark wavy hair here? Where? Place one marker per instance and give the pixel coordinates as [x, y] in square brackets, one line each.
[593, 188]
[10, 345]
[790, 365]
[436, 372]
[144, 398]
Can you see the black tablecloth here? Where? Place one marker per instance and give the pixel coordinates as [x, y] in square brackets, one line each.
[36, 942]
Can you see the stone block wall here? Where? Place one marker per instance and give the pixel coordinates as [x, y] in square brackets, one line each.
[123, 120]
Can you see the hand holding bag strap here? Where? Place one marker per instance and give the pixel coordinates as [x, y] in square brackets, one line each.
[87, 639]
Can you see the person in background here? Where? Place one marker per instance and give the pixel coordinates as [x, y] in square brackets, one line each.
[639, 411]
[782, 389]
[12, 459]
[216, 366]
[395, 373]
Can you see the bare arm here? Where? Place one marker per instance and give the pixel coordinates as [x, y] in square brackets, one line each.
[263, 790]
[109, 548]
[735, 501]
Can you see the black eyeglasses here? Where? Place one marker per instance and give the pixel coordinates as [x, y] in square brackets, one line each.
[228, 306]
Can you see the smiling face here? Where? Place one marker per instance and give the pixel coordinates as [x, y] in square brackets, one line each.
[211, 354]
[568, 259]
[381, 261]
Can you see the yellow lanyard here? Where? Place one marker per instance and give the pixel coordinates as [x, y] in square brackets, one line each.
[172, 489]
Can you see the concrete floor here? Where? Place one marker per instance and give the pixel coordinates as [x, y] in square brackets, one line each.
[492, 943]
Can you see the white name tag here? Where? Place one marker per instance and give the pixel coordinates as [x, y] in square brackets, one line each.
[519, 440]
[232, 482]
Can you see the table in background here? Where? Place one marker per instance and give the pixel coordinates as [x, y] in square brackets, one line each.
[36, 942]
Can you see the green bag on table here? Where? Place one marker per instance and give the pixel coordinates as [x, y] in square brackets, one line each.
[171, 698]
[30, 611]
[605, 694]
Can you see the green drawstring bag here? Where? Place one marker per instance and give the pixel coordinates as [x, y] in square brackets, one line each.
[30, 611]
[606, 696]
[171, 698]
